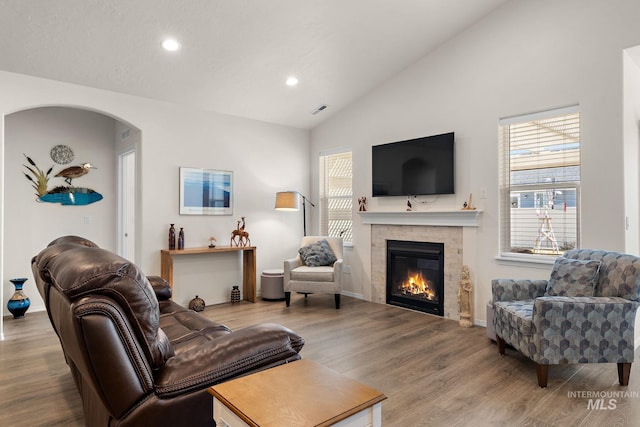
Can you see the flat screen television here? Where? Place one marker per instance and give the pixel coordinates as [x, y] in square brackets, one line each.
[420, 166]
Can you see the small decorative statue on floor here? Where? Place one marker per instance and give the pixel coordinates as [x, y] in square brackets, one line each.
[465, 299]
[362, 201]
[239, 237]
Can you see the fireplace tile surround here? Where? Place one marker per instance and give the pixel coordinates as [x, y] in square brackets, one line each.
[445, 226]
[450, 236]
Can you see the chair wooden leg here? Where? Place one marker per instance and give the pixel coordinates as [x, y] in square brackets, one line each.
[287, 298]
[337, 296]
[543, 374]
[500, 343]
[624, 370]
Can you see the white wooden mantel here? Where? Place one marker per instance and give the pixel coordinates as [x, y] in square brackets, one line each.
[442, 218]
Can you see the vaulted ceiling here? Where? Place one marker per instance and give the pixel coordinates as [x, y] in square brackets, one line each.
[235, 54]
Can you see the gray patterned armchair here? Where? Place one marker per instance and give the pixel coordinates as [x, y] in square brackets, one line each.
[584, 313]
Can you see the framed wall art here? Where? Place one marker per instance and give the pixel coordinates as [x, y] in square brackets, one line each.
[206, 192]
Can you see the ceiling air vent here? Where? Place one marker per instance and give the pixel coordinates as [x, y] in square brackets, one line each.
[320, 108]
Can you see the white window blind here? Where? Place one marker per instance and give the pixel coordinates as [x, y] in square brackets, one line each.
[540, 182]
[336, 195]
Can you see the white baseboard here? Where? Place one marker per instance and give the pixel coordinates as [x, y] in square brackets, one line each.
[351, 294]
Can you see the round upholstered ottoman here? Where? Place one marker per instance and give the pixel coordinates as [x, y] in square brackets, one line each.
[272, 285]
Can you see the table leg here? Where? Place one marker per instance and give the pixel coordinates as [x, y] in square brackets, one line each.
[166, 268]
[249, 275]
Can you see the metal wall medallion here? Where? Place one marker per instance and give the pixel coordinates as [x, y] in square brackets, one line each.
[62, 154]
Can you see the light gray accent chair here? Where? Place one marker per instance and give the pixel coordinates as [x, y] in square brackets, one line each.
[305, 279]
[552, 323]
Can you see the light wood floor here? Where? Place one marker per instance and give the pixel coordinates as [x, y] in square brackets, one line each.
[433, 372]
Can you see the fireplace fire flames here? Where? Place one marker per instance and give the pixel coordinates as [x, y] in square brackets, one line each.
[417, 286]
[415, 275]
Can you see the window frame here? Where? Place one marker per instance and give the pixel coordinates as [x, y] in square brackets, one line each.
[323, 203]
[506, 254]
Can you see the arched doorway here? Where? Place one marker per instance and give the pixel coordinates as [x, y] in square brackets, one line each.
[92, 137]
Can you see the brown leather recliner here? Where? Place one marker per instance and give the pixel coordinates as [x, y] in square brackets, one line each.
[137, 360]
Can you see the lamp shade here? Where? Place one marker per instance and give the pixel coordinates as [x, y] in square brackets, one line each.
[287, 201]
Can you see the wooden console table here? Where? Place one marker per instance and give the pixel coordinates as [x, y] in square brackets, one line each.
[301, 393]
[248, 265]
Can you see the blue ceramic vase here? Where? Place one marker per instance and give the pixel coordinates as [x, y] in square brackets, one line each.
[19, 303]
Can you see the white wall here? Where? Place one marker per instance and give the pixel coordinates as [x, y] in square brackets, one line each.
[525, 57]
[631, 118]
[632, 155]
[265, 158]
[31, 224]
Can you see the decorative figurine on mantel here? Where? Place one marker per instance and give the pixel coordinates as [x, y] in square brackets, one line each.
[465, 299]
[468, 206]
[409, 205]
[212, 242]
[362, 201]
[239, 236]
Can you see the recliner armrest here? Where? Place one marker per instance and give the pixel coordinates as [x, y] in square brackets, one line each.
[161, 287]
[240, 352]
[517, 289]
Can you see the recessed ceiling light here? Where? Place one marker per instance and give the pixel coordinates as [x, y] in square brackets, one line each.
[292, 81]
[171, 45]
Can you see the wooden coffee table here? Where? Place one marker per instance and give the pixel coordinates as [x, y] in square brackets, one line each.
[301, 393]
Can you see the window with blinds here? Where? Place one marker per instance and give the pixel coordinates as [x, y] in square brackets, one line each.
[540, 182]
[336, 195]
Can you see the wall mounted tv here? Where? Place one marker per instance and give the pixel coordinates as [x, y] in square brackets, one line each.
[414, 167]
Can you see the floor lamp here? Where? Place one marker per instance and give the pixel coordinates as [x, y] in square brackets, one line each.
[290, 201]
